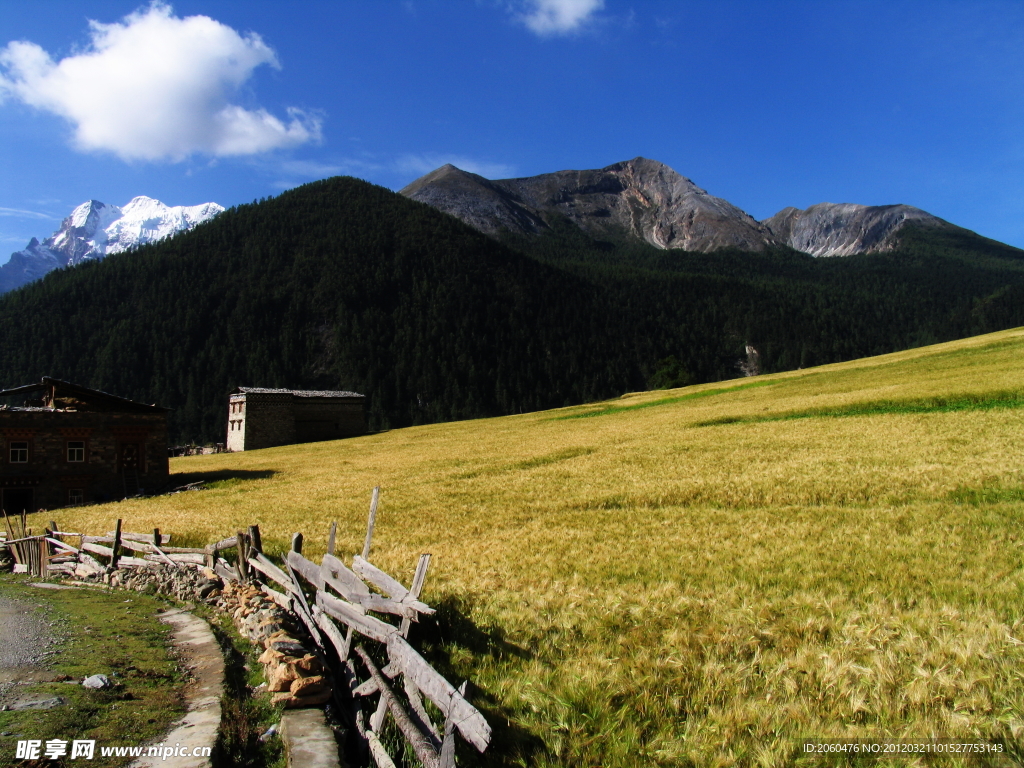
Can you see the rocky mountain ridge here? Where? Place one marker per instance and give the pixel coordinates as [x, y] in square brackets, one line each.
[845, 229]
[95, 229]
[647, 200]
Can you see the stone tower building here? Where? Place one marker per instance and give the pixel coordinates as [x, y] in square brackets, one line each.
[263, 418]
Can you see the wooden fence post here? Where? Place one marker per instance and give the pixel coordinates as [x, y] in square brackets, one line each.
[242, 566]
[255, 539]
[371, 522]
[330, 538]
[116, 548]
[417, 587]
[44, 558]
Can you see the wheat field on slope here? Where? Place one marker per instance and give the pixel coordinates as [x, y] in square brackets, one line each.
[703, 576]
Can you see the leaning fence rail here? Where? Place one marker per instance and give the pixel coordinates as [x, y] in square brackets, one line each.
[348, 610]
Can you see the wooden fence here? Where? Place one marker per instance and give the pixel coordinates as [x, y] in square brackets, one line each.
[342, 607]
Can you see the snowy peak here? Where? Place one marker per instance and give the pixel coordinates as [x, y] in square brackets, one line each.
[145, 220]
[95, 229]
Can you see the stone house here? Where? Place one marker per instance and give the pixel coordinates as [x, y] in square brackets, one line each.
[262, 418]
[63, 444]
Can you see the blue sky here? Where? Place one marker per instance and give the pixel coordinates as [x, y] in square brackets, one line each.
[767, 104]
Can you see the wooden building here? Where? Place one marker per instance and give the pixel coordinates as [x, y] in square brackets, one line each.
[262, 418]
[63, 444]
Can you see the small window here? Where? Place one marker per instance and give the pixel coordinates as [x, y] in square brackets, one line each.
[19, 452]
[76, 496]
[76, 450]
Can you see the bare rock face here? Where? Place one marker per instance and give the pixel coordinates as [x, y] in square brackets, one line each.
[843, 229]
[640, 197]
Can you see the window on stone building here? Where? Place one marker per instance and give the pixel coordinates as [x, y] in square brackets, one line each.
[19, 452]
[76, 450]
[76, 496]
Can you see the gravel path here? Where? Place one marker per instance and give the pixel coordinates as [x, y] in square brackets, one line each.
[26, 638]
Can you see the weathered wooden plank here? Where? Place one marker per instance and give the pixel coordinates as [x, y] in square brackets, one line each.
[162, 554]
[387, 605]
[225, 573]
[176, 559]
[366, 688]
[419, 742]
[471, 724]
[419, 713]
[340, 643]
[267, 568]
[44, 557]
[90, 563]
[344, 581]
[378, 578]
[377, 718]
[116, 545]
[390, 585]
[373, 628]
[243, 554]
[331, 538]
[417, 587]
[380, 755]
[194, 558]
[374, 499]
[146, 537]
[299, 609]
[448, 742]
[27, 538]
[278, 597]
[137, 546]
[227, 543]
[98, 549]
[307, 570]
[256, 538]
[135, 562]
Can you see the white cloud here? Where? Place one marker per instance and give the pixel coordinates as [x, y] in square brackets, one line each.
[421, 164]
[22, 214]
[155, 86]
[559, 17]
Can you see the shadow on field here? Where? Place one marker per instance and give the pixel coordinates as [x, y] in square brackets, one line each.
[446, 641]
[180, 479]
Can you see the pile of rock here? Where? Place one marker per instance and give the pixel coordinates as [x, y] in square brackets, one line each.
[295, 675]
[186, 583]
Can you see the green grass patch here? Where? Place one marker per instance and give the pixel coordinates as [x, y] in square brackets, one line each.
[246, 709]
[608, 408]
[532, 463]
[977, 402]
[111, 633]
[987, 494]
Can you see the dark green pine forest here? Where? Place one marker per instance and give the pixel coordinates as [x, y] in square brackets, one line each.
[341, 284]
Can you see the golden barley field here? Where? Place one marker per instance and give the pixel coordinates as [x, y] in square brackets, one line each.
[706, 576]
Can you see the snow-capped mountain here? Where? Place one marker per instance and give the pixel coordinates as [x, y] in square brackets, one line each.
[95, 229]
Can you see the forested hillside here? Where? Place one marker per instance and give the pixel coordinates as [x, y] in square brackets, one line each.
[342, 284]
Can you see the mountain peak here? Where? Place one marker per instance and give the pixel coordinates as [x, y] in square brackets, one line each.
[95, 229]
[642, 197]
[843, 229]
